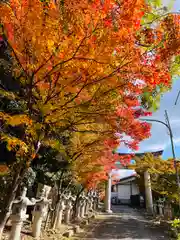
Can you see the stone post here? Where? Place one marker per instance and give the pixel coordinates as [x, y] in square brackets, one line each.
[155, 209]
[160, 209]
[169, 212]
[18, 216]
[96, 201]
[16, 227]
[148, 192]
[166, 211]
[83, 205]
[161, 206]
[39, 212]
[87, 202]
[61, 209]
[68, 208]
[44, 191]
[108, 195]
[91, 203]
[78, 211]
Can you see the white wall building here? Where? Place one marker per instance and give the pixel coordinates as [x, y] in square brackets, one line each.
[124, 189]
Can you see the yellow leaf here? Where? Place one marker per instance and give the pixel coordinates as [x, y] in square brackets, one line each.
[50, 44]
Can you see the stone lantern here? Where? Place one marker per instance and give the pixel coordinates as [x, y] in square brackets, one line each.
[95, 200]
[61, 208]
[88, 203]
[18, 216]
[86, 208]
[83, 200]
[90, 196]
[39, 212]
[69, 205]
[161, 206]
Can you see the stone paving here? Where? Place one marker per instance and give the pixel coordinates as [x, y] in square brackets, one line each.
[124, 223]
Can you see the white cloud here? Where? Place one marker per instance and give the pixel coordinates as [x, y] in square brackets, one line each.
[121, 173]
[177, 141]
[154, 147]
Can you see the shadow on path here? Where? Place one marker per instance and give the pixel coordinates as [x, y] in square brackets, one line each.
[124, 223]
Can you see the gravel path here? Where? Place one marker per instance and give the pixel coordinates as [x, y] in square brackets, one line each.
[126, 224]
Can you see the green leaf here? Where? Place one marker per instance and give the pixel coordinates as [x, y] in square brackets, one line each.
[155, 3]
[7, 94]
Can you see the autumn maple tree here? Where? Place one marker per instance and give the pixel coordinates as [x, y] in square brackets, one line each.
[163, 177]
[81, 68]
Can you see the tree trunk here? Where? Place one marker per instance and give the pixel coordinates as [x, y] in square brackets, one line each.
[4, 215]
[7, 209]
[54, 215]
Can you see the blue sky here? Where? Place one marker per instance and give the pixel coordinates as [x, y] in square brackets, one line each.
[177, 5]
[159, 138]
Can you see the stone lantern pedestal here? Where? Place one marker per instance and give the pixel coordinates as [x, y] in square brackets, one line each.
[17, 223]
[82, 209]
[161, 206]
[68, 209]
[19, 216]
[87, 206]
[39, 213]
[78, 212]
[61, 209]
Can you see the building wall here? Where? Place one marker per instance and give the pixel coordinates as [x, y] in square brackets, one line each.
[135, 189]
[114, 194]
[126, 190]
